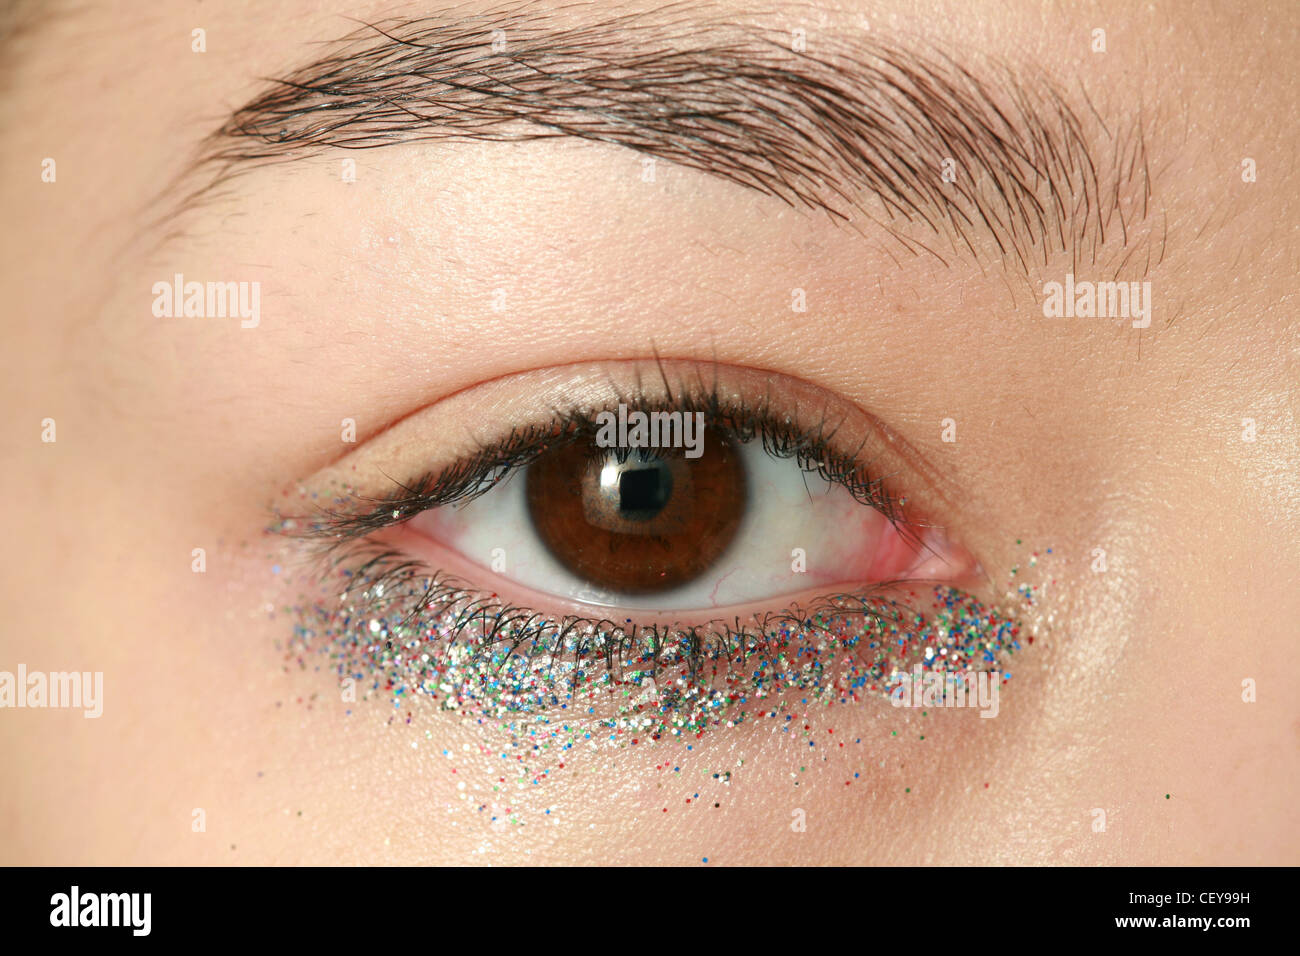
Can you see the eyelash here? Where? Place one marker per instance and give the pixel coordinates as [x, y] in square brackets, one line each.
[812, 449]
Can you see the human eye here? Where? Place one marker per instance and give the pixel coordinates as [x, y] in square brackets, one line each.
[656, 549]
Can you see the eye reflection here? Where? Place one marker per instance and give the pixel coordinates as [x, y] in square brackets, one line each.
[639, 521]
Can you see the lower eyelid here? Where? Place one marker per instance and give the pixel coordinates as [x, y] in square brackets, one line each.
[485, 658]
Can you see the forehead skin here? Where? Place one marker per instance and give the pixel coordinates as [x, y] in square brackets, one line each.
[1074, 434]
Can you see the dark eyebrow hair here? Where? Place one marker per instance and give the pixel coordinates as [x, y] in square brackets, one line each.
[857, 130]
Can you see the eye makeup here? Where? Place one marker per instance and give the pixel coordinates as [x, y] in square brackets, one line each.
[393, 626]
[401, 633]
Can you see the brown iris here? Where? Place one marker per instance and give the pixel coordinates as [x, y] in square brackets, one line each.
[647, 523]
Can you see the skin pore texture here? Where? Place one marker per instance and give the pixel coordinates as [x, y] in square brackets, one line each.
[379, 301]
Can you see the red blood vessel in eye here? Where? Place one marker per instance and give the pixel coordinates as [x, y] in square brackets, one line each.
[637, 521]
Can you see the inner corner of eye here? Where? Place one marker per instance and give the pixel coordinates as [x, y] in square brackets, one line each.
[673, 520]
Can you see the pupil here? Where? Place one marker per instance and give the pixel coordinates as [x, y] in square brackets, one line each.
[644, 488]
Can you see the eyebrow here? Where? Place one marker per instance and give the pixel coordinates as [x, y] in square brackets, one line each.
[859, 129]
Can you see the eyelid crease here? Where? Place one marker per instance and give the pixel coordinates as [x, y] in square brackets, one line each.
[603, 383]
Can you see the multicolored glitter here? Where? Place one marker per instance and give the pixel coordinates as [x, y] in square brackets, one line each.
[396, 630]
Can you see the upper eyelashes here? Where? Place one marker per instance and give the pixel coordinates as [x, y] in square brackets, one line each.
[813, 449]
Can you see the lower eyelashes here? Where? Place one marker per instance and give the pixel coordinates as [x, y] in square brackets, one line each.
[404, 634]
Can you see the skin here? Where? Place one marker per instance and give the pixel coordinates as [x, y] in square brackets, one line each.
[1073, 434]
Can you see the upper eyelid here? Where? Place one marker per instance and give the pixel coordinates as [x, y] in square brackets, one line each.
[431, 438]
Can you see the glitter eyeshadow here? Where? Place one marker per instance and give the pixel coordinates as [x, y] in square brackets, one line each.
[399, 632]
